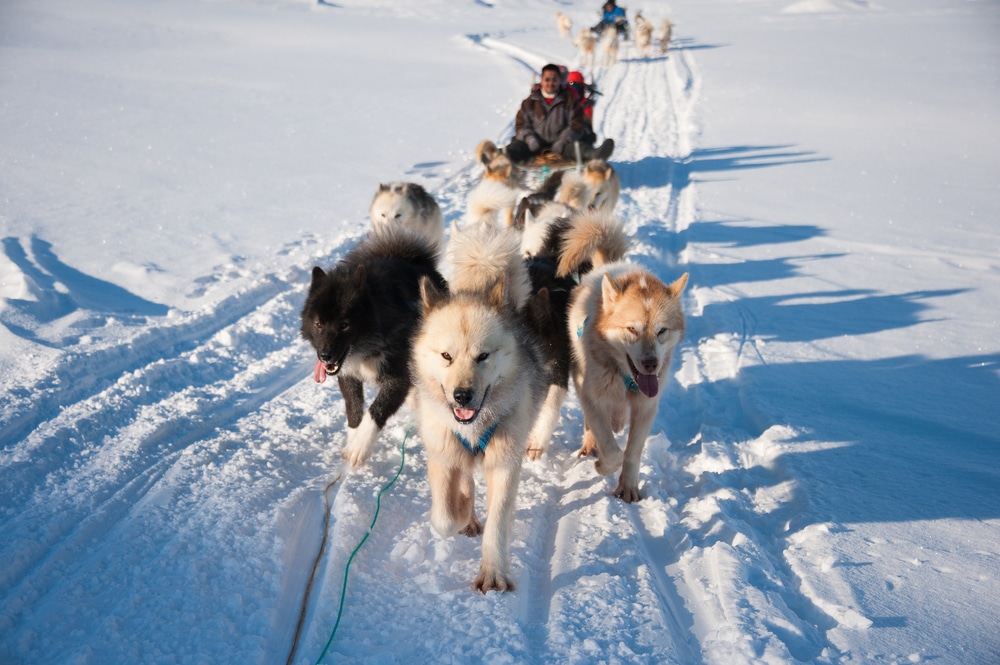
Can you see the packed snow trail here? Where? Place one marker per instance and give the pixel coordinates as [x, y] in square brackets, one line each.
[667, 580]
[201, 454]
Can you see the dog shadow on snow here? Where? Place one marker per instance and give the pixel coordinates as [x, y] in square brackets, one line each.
[905, 437]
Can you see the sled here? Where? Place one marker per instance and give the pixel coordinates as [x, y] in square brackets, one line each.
[539, 168]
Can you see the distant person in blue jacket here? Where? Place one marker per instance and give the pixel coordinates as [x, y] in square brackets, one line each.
[613, 16]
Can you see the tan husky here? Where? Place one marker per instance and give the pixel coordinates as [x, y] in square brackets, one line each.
[623, 324]
[478, 384]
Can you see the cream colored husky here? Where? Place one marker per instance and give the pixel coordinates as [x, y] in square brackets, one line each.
[565, 24]
[408, 205]
[478, 384]
[623, 324]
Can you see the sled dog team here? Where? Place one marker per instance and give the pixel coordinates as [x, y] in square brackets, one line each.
[484, 333]
[608, 41]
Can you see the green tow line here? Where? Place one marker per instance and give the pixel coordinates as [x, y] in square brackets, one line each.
[347, 568]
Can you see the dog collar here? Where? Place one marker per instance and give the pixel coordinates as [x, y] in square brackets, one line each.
[630, 384]
[484, 439]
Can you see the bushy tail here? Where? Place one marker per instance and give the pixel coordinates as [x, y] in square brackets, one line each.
[486, 150]
[491, 203]
[484, 256]
[593, 238]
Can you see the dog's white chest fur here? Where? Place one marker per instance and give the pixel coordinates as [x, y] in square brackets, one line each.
[366, 369]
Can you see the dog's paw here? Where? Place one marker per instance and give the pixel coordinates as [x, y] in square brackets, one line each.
[473, 528]
[608, 464]
[361, 442]
[490, 579]
[534, 454]
[627, 492]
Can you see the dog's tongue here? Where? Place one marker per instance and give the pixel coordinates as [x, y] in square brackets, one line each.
[319, 373]
[464, 414]
[649, 384]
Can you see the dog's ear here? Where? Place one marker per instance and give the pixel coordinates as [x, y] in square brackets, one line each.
[497, 297]
[382, 187]
[317, 278]
[540, 309]
[430, 296]
[677, 287]
[609, 290]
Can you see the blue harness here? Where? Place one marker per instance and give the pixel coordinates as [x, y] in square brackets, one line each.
[630, 384]
[484, 439]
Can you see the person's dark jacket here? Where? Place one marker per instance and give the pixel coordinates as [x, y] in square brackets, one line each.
[553, 125]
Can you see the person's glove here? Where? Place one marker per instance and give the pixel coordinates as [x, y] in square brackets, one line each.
[558, 147]
[532, 142]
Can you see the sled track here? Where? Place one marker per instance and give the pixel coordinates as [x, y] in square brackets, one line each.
[114, 423]
[135, 454]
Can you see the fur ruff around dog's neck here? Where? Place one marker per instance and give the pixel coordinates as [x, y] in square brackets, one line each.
[630, 383]
[484, 439]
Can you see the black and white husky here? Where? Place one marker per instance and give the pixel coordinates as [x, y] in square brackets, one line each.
[360, 317]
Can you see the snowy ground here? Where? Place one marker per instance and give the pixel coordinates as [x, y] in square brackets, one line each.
[822, 479]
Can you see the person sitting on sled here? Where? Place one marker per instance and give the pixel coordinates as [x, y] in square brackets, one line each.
[584, 95]
[552, 120]
[613, 16]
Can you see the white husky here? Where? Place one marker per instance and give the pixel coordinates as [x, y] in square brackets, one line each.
[408, 205]
[478, 387]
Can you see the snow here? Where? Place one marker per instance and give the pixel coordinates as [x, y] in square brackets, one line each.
[821, 483]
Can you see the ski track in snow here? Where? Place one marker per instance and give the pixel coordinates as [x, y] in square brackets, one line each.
[171, 457]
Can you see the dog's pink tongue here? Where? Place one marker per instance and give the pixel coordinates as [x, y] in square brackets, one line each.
[464, 414]
[319, 373]
[649, 384]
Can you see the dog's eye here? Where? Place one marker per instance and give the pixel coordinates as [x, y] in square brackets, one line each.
[446, 356]
[318, 325]
[482, 356]
[661, 332]
[398, 215]
[345, 325]
[632, 331]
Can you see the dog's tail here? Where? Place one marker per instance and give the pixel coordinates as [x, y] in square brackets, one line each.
[482, 257]
[486, 151]
[593, 239]
[491, 203]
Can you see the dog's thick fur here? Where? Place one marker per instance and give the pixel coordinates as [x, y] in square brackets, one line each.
[624, 324]
[360, 317]
[587, 44]
[595, 186]
[408, 205]
[477, 375]
[643, 36]
[609, 47]
[565, 24]
[664, 34]
[568, 248]
[492, 202]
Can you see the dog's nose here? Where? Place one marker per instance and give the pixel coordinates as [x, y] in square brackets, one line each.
[463, 396]
[325, 355]
[649, 365]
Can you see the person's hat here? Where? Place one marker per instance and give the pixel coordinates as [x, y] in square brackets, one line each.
[574, 77]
